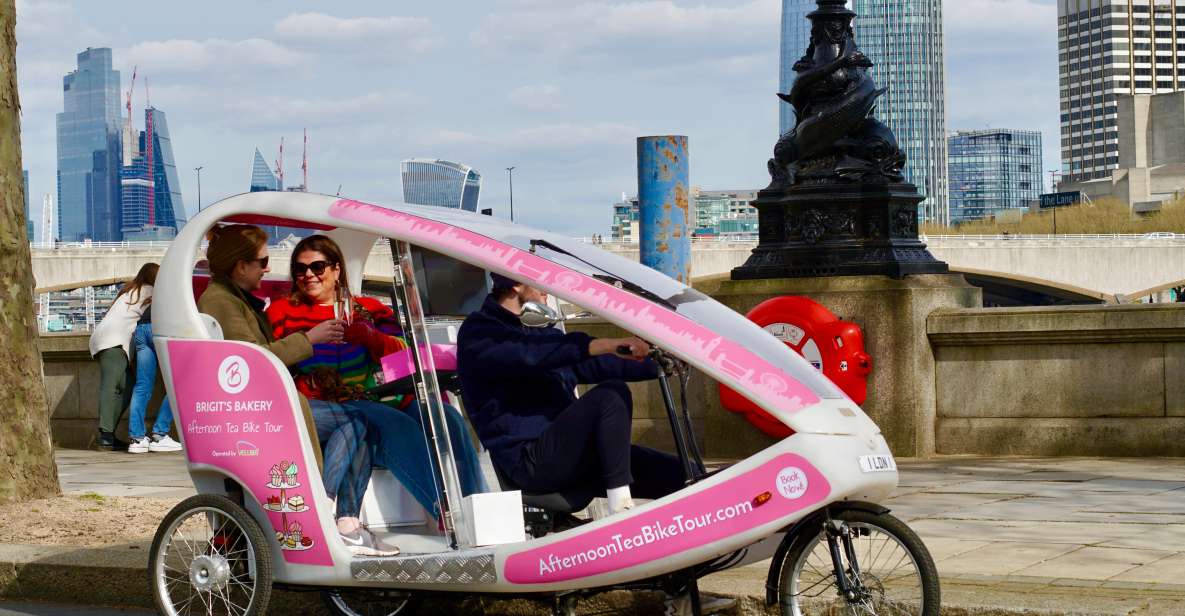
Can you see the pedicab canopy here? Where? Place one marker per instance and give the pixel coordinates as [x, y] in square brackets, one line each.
[688, 324]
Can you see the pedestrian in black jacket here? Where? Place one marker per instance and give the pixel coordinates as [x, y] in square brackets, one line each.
[518, 384]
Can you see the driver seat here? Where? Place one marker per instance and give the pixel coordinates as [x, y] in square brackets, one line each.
[545, 512]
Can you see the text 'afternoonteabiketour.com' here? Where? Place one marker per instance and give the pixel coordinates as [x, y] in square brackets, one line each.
[646, 535]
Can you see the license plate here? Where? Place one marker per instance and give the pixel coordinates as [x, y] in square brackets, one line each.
[877, 463]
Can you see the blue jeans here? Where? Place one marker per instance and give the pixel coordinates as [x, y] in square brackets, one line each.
[347, 466]
[400, 444]
[145, 383]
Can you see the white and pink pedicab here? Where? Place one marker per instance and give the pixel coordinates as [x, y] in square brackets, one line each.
[261, 516]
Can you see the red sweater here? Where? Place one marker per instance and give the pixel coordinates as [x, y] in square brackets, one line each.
[374, 333]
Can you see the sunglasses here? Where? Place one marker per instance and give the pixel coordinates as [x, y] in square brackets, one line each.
[262, 261]
[317, 267]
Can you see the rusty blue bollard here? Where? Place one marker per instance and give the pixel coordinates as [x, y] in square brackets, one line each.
[664, 205]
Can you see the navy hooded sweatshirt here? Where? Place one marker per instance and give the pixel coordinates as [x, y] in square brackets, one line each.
[516, 379]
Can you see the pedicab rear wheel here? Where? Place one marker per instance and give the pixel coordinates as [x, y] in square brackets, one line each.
[362, 602]
[210, 557]
[896, 575]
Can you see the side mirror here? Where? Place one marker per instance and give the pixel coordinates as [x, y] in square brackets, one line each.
[539, 315]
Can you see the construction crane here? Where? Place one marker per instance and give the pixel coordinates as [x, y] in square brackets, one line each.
[129, 136]
[304, 162]
[280, 164]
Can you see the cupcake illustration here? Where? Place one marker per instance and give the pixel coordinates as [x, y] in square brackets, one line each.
[289, 473]
[295, 532]
[276, 474]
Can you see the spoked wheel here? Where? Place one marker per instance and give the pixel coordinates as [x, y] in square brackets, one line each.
[359, 602]
[891, 574]
[209, 557]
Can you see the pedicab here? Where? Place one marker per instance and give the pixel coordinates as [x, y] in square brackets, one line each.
[261, 518]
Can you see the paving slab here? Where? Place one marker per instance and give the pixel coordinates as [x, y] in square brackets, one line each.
[1002, 558]
[1084, 536]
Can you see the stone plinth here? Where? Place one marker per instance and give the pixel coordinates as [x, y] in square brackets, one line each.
[892, 313]
[844, 230]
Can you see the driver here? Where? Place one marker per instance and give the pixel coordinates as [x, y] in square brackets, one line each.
[518, 384]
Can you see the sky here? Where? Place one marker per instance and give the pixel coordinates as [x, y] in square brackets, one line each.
[560, 90]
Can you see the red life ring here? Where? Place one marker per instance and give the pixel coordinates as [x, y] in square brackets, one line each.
[834, 347]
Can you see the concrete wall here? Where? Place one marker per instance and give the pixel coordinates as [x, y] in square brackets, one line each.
[1098, 380]
[72, 388]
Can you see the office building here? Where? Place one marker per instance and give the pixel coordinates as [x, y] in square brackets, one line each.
[992, 170]
[625, 220]
[903, 38]
[725, 213]
[441, 183]
[151, 203]
[262, 177]
[1151, 154]
[1108, 49]
[717, 213]
[88, 143]
[796, 37]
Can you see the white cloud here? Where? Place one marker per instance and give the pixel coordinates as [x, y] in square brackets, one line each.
[986, 27]
[218, 55]
[364, 34]
[536, 98]
[660, 31]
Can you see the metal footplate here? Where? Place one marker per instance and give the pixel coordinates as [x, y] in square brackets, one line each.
[467, 567]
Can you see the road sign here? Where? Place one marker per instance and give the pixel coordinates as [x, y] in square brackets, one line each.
[1060, 199]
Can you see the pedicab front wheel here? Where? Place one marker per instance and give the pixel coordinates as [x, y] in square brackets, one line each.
[210, 557]
[886, 569]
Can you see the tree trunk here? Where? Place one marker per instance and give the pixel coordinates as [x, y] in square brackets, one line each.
[27, 468]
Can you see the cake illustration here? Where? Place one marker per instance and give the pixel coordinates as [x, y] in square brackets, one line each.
[289, 469]
[276, 474]
[306, 542]
[273, 501]
[295, 533]
[296, 502]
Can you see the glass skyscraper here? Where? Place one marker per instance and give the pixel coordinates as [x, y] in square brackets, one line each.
[903, 38]
[993, 170]
[796, 37]
[88, 143]
[168, 209]
[441, 183]
[1106, 49]
[262, 177]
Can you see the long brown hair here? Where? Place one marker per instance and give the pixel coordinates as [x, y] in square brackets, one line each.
[230, 244]
[146, 276]
[333, 253]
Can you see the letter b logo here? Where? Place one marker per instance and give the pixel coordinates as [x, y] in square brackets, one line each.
[233, 374]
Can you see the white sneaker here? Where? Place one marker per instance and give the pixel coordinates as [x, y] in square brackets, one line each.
[165, 443]
[140, 445]
[362, 542]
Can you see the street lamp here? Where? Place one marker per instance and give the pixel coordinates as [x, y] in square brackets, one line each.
[198, 169]
[1053, 173]
[510, 172]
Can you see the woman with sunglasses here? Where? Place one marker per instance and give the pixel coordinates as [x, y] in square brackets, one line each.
[338, 374]
[238, 260]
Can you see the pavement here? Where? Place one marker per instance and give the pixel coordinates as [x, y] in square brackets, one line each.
[1055, 536]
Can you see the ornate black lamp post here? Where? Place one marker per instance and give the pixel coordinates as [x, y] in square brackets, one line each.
[837, 203]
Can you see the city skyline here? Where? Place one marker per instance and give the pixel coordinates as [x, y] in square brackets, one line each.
[558, 116]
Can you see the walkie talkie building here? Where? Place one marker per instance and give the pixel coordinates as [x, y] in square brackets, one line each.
[441, 183]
